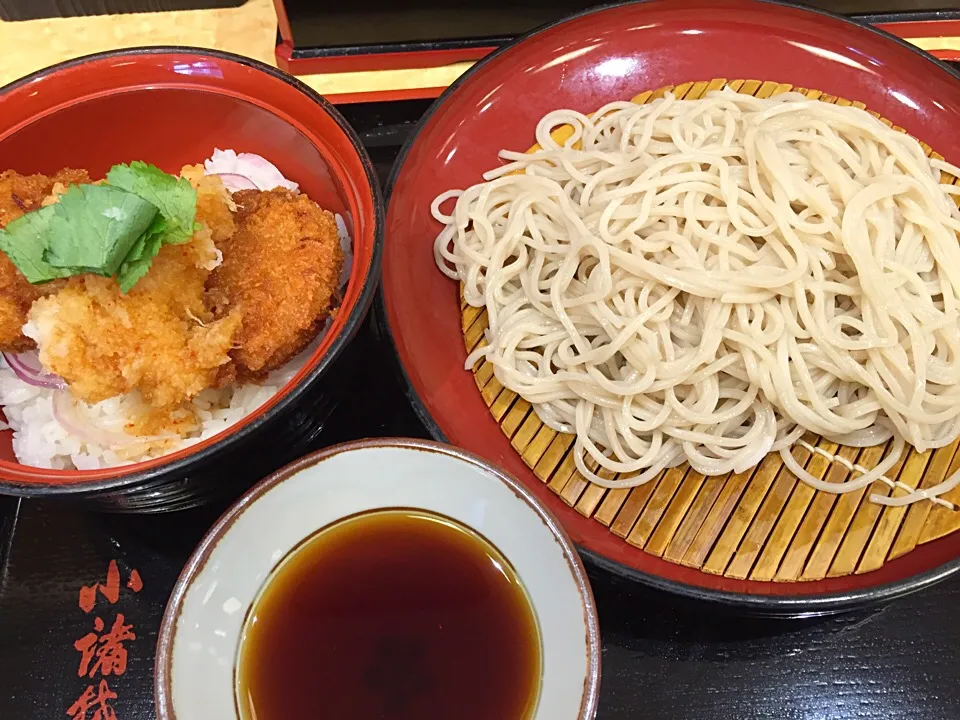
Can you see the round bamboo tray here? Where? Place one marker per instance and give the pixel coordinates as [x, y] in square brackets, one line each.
[763, 524]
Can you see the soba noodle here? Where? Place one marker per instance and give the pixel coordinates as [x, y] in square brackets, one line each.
[706, 280]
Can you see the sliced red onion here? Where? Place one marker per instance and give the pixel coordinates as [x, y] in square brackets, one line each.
[254, 168]
[347, 248]
[234, 181]
[29, 361]
[71, 419]
[27, 367]
[67, 412]
[263, 172]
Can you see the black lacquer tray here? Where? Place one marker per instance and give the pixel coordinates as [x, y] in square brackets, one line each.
[663, 658]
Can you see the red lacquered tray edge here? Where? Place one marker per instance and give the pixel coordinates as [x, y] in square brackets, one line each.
[932, 32]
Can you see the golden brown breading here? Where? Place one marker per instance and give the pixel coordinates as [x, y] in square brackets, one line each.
[159, 338]
[16, 297]
[281, 270]
[215, 206]
[20, 194]
[105, 343]
[179, 272]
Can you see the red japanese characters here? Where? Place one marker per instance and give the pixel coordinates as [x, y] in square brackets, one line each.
[103, 653]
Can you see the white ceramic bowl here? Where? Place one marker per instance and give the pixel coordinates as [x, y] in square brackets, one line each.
[200, 636]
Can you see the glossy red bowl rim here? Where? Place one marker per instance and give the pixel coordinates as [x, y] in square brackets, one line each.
[129, 476]
[782, 605]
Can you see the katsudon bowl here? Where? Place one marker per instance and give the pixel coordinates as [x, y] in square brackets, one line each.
[172, 106]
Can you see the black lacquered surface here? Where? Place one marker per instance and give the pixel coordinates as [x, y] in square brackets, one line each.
[36, 9]
[663, 658]
[385, 22]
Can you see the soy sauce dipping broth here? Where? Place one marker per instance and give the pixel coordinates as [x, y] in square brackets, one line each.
[391, 615]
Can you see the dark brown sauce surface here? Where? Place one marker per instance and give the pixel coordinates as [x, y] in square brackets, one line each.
[391, 615]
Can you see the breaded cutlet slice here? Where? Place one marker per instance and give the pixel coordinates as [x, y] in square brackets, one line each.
[281, 269]
[160, 338]
[19, 194]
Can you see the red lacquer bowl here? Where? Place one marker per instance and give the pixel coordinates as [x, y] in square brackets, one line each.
[171, 107]
[583, 62]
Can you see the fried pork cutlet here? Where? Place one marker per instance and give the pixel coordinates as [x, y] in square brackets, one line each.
[179, 272]
[160, 338]
[214, 202]
[280, 270]
[20, 194]
[104, 343]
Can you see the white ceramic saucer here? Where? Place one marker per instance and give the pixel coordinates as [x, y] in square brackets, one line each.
[200, 635]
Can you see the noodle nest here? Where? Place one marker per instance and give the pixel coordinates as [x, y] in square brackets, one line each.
[705, 281]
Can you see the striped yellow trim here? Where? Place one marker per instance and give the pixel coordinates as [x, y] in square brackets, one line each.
[937, 43]
[249, 29]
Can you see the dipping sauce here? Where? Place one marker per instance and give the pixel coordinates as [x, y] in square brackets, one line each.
[391, 615]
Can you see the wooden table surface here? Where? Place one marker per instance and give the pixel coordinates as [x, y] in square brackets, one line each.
[249, 28]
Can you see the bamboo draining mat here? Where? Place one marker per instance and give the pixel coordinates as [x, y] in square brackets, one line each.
[763, 524]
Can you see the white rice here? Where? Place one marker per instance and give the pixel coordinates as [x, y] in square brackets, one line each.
[41, 441]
